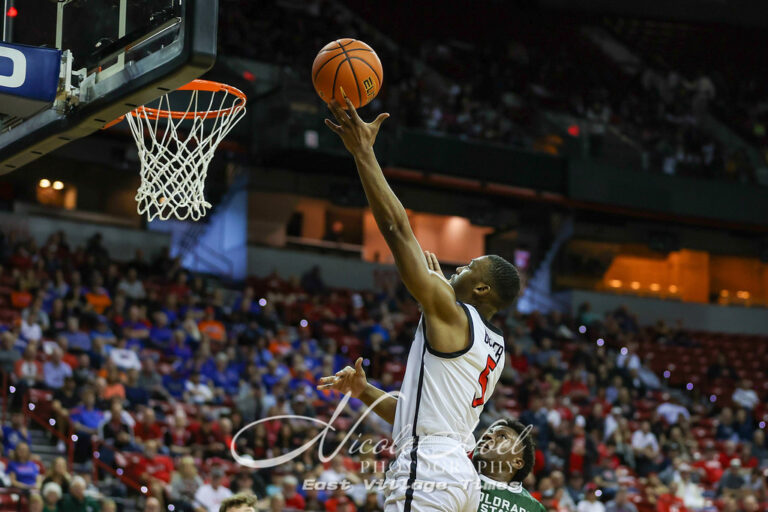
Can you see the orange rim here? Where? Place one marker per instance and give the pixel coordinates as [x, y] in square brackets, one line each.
[194, 85]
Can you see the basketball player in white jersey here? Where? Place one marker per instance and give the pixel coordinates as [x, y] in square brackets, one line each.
[456, 356]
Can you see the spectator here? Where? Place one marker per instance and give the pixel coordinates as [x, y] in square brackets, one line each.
[8, 353]
[148, 428]
[131, 286]
[85, 420]
[646, 448]
[14, 434]
[292, 498]
[621, 503]
[732, 481]
[152, 505]
[23, 472]
[197, 391]
[689, 491]
[590, 502]
[103, 332]
[213, 328]
[154, 466]
[726, 428]
[671, 411]
[745, 395]
[56, 370]
[58, 475]
[212, 494]
[77, 339]
[51, 495]
[29, 371]
[117, 428]
[160, 334]
[185, 482]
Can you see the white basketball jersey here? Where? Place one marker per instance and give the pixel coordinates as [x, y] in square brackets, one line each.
[443, 394]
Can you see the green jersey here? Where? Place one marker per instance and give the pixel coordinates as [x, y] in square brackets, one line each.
[500, 497]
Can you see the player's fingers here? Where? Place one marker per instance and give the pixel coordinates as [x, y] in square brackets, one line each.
[359, 366]
[428, 256]
[324, 387]
[334, 127]
[379, 119]
[435, 263]
[328, 379]
[350, 107]
[345, 371]
[338, 113]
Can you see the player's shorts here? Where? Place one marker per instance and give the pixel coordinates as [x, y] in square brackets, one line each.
[433, 475]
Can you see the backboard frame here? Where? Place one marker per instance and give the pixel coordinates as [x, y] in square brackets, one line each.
[104, 98]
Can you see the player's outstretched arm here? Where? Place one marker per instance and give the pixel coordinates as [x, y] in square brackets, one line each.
[352, 381]
[430, 289]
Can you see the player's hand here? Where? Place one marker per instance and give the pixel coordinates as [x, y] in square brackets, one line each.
[356, 134]
[350, 380]
[433, 264]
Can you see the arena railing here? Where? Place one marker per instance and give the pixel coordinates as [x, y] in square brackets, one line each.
[38, 409]
[118, 473]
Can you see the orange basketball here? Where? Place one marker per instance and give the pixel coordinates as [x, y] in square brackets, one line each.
[350, 64]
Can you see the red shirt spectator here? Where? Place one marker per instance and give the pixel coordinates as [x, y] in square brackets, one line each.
[153, 465]
[148, 428]
[670, 503]
[713, 469]
[293, 500]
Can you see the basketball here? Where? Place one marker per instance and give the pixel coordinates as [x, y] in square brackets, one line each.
[350, 64]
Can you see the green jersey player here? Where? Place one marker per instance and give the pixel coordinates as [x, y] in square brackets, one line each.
[504, 456]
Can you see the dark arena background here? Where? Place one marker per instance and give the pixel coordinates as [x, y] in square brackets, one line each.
[615, 152]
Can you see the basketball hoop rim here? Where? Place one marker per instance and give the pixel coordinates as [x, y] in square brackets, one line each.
[195, 85]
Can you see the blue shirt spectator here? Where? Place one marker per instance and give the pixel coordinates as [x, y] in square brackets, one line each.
[76, 339]
[25, 472]
[14, 433]
[55, 370]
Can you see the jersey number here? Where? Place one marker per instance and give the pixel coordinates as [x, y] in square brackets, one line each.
[483, 380]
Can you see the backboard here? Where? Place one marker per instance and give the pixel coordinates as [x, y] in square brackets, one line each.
[114, 55]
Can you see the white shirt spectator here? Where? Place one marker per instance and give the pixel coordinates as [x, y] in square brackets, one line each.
[200, 392]
[31, 332]
[590, 506]
[125, 359]
[642, 440]
[690, 493]
[211, 498]
[746, 398]
[133, 289]
[671, 412]
[628, 361]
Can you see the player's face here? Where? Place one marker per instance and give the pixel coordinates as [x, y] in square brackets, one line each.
[466, 277]
[498, 444]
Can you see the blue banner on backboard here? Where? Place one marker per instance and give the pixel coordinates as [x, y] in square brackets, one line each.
[29, 72]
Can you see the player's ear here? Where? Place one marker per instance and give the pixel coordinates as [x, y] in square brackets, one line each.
[482, 290]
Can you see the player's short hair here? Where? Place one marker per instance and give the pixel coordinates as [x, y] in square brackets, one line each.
[528, 444]
[238, 500]
[504, 280]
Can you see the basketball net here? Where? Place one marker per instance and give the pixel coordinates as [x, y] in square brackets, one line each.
[174, 162]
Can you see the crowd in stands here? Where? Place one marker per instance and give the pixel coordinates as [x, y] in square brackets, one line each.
[484, 89]
[156, 369]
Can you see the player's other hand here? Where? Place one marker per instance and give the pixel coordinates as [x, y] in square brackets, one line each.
[350, 380]
[356, 134]
[433, 264]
